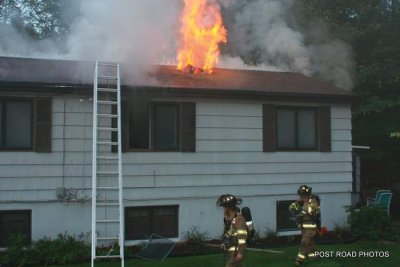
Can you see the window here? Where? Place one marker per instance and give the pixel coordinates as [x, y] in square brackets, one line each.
[141, 222]
[16, 124]
[158, 126]
[165, 126]
[296, 129]
[26, 124]
[283, 223]
[15, 222]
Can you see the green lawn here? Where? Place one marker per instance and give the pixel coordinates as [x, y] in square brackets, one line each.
[264, 259]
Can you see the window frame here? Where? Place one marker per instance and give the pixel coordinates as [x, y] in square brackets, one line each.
[152, 129]
[152, 209]
[186, 122]
[4, 100]
[296, 109]
[29, 222]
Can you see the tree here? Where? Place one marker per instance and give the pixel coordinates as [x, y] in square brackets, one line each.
[38, 19]
[373, 29]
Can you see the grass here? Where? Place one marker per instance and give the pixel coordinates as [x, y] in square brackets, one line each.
[264, 259]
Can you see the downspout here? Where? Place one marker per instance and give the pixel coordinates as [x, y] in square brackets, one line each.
[63, 153]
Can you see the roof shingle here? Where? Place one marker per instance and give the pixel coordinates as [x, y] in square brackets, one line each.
[59, 72]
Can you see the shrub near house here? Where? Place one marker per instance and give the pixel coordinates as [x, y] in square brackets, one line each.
[65, 249]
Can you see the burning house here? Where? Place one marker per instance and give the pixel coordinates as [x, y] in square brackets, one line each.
[188, 134]
[186, 139]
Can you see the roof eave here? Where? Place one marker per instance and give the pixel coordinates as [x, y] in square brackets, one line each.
[87, 89]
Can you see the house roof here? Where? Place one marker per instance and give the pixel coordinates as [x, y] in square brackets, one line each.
[68, 74]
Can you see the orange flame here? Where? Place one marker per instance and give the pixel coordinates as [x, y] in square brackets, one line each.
[202, 31]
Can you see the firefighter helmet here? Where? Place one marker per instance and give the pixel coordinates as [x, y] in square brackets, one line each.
[228, 200]
[304, 190]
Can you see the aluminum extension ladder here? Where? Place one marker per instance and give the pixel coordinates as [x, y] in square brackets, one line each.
[107, 201]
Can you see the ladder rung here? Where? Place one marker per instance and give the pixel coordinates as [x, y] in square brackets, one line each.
[107, 173]
[108, 64]
[107, 238]
[104, 102]
[106, 204]
[108, 188]
[108, 77]
[108, 257]
[107, 158]
[107, 143]
[108, 115]
[107, 129]
[107, 221]
[112, 90]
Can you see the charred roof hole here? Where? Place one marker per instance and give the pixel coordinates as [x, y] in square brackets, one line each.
[193, 70]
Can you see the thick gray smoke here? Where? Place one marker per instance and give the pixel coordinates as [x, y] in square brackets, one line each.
[13, 43]
[261, 35]
[131, 31]
[146, 32]
[137, 31]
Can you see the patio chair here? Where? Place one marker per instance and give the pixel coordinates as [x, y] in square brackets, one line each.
[372, 201]
[384, 201]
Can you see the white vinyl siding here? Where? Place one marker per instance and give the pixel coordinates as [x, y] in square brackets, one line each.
[226, 153]
[228, 159]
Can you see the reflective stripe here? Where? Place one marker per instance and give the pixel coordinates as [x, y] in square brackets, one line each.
[249, 223]
[242, 232]
[309, 226]
[241, 241]
[311, 255]
[232, 249]
[309, 209]
[301, 256]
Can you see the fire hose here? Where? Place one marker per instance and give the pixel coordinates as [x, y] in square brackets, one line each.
[250, 249]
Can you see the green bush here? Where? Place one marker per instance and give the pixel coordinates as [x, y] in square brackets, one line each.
[369, 222]
[64, 249]
[195, 239]
[18, 253]
[340, 231]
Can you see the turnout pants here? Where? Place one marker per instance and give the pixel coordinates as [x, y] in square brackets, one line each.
[307, 245]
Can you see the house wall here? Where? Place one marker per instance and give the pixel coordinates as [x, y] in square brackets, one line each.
[228, 159]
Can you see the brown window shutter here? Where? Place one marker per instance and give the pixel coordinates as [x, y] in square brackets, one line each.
[42, 125]
[269, 128]
[324, 128]
[188, 122]
[124, 128]
[139, 120]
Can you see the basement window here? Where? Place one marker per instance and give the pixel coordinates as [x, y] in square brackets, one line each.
[141, 222]
[12, 223]
[16, 124]
[296, 129]
[283, 223]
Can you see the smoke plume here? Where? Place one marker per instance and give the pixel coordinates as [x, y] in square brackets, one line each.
[260, 36]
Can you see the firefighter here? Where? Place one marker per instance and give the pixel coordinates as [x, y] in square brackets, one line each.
[235, 231]
[306, 213]
[249, 223]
